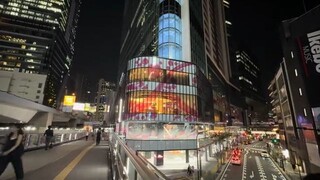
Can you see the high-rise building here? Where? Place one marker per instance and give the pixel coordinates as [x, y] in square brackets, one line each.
[301, 48]
[169, 48]
[82, 88]
[104, 93]
[247, 72]
[37, 37]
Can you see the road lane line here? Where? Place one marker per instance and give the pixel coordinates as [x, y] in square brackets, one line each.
[244, 167]
[225, 170]
[65, 172]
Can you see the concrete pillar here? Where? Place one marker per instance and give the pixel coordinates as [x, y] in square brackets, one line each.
[158, 158]
[41, 121]
[187, 156]
[206, 152]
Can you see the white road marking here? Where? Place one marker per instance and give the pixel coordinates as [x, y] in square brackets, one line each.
[244, 167]
[252, 175]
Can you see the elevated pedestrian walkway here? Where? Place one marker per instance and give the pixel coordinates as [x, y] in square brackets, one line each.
[81, 159]
[74, 160]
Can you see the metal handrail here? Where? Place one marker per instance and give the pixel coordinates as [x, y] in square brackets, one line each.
[154, 168]
[140, 166]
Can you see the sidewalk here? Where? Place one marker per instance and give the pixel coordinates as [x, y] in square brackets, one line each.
[210, 168]
[293, 174]
[288, 171]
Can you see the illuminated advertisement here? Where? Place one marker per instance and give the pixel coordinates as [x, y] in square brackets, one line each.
[87, 106]
[308, 46]
[160, 63]
[161, 89]
[78, 106]
[307, 130]
[166, 90]
[69, 100]
[316, 117]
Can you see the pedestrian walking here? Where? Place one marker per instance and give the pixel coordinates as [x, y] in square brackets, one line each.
[87, 135]
[12, 152]
[189, 170]
[98, 138]
[49, 137]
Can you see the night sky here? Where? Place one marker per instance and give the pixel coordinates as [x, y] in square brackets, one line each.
[98, 40]
[255, 25]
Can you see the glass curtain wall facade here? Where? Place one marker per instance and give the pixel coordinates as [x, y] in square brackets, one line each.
[170, 45]
[38, 37]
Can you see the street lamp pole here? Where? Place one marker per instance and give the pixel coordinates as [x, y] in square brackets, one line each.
[198, 174]
[198, 160]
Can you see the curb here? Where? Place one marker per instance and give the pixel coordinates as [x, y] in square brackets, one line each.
[224, 168]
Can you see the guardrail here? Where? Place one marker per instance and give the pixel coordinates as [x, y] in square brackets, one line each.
[129, 163]
[36, 140]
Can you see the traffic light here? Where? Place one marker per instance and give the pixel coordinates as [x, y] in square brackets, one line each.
[275, 141]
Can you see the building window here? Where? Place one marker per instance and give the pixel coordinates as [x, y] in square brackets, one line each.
[40, 85]
[38, 91]
[37, 97]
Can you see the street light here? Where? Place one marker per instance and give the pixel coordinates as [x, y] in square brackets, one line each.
[198, 166]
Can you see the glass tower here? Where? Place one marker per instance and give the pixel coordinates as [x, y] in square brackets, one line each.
[37, 36]
[170, 45]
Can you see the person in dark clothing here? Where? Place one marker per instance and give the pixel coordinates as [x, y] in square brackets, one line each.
[49, 135]
[12, 152]
[189, 170]
[98, 138]
[87, 135]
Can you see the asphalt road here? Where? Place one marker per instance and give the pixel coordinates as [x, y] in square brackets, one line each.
[253, 166]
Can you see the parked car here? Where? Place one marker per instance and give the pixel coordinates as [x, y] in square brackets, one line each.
[264, 154]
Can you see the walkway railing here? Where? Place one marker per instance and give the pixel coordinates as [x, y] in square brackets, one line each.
[35, 140]
[129, 164]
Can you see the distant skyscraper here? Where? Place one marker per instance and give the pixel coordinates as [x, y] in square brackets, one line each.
[37, 37]
[105, 91]
[247, 72]
[82, 88]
